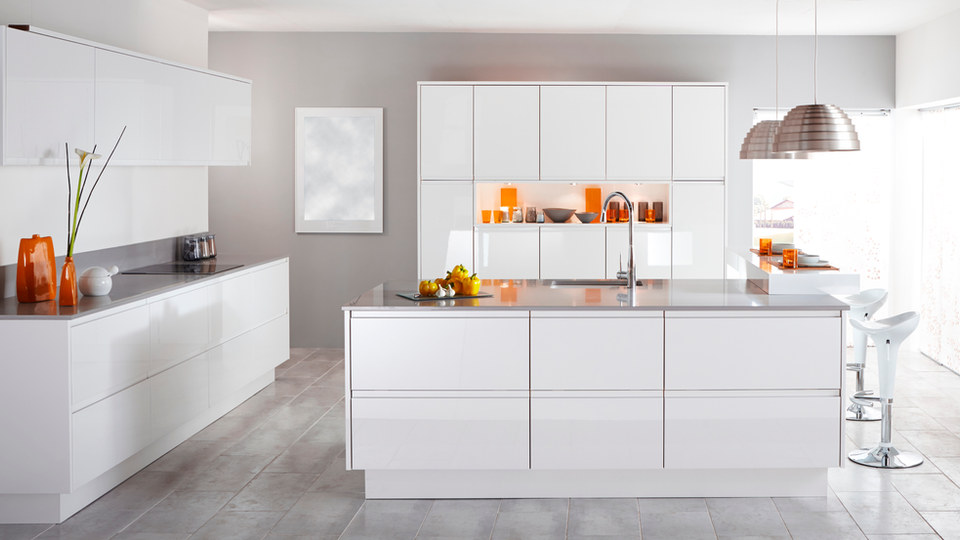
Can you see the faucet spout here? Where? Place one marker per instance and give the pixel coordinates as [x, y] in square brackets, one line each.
[631, 273]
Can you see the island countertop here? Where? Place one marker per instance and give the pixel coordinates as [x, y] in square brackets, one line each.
[688, 295]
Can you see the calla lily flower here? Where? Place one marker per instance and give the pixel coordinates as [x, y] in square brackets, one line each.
[84, 155]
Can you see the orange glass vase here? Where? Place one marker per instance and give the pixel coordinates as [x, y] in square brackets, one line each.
[36, 270]
[68, 284]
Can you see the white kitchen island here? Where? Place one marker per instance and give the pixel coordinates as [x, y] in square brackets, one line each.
[691, 388]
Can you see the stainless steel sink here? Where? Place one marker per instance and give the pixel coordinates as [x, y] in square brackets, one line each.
[589, 283]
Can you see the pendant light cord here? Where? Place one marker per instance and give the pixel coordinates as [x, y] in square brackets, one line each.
[776, 71]
[816, 51]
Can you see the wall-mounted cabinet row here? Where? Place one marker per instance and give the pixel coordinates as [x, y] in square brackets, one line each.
[583, 132]
[58, 89]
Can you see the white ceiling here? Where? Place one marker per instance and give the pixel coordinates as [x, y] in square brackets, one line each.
[852, 17]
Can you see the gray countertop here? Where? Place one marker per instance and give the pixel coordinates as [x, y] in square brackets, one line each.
[127, 288]
[690, 295]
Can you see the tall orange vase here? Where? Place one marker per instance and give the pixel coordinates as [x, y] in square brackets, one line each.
[36, 270]
[68, 283]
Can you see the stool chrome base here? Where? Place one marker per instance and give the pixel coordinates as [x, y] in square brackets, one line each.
[861, 413]
[885, 457]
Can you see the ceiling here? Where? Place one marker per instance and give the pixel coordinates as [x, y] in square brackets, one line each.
[756, 17]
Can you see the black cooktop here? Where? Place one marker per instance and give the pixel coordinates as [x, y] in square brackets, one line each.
[183, 267]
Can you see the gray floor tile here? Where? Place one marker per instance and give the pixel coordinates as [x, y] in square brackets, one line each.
[150, 536]
[229, 428]
[603, 517]
[226, 473]
[818, 525]
[853, 477]
[336, 479]
[388, 519]
[319, 514]
[238, 526]
[946, 524]
[261, 405]
[929, 492]
[292, 418]
[916, 419]
[672, 525]
[140, 491]
[666, 506]
[882, 512]
[188, 456]
[903, 536]
[318, 397]
[746, 517]
[99, 522]
[181, 512]
[934, 443]
[289, 387]
[461, 518]
[24, 531]
[271, 492]
[948, 466]
[264, 441]
[305, 457]
[828, 503]
[311, 368]
[333, 378]
[530, 524]
[534, 505]
[329, 430]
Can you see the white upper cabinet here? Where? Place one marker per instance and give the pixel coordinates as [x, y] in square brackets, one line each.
[697, 216]
[639, 132]
[699, 132]
[48, 98]
[231, 104]
[506, 144]
[446, 132]
[446, 227]
[572, 132]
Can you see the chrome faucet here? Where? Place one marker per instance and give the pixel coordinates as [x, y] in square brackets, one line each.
[631, 273]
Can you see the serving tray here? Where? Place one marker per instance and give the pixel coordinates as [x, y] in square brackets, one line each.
[417, 298]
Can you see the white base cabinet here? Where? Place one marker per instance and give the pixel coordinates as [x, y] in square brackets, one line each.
[116, 389]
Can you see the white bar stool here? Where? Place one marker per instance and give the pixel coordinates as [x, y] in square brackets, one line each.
[887, 335]
[862, 307]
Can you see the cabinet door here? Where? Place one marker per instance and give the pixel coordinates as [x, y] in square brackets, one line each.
[592, 353]
[179, 395]
[48, 98]
[740, 431]
[446, 132]
[446, 227]
[506, 143]
[230, 122]
[766, 352]
[242, 303]
[131, 92]
[651, 251]
[465, 433]
[696, 212]
[699, 132]
[108, 354]
[570, 251]
[482, 352]
[590, 430]
[572, 132]
[179, 328]
[512, 253]
[639, 132]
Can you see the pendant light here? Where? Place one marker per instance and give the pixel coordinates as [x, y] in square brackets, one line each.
[758, 144]
[817, 127]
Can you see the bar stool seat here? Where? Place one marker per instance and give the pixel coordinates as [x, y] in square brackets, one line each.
[887, 334]
[862, 307]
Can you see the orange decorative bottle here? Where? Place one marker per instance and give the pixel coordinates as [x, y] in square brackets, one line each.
[36, 270]
[68, 283]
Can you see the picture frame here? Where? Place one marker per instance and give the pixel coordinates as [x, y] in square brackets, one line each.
[338, 169]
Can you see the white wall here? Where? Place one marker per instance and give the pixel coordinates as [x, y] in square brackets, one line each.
[131, 204]
[927, 62]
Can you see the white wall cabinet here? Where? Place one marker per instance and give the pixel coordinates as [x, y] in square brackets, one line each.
[698, 230]
[446, 227]
[651, 251]
[572, 132]
[508, 253]
[699, 132]
[506, 144]
[639, 132]
[61, 89]
[571, 252]
[446, 132]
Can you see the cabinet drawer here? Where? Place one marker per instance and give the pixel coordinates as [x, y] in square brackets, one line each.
[179, 328]
[758, 353]
[110, 431]
[237, 362]
[178, 395]
[440, 433]
[108, 355]
[455, 353]
[589, 431]
[242, 303]
[602, 353]
[751, 432]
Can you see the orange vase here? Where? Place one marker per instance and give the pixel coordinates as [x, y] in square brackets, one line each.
[68, 283]
[36, 270]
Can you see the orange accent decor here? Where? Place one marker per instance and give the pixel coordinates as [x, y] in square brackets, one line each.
[592, 196]
[486, 215]
[766, 246]
[497, 216]
[790, 258]
[508, 197]
[624, 214]
[36, 270]
[651, 215]
[592, 296]
[68, 284]
[508, 293]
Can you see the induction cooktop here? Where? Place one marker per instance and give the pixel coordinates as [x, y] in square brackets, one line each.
[183, 267]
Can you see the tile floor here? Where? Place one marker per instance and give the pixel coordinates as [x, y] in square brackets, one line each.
[273, 468]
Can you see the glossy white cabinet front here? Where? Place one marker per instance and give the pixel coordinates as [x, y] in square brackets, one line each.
[446, 227]
[639, 132]
[651, 249]
[506, 143]
[179, 328]
[446, 132]
[466, 432]
[698, 230]
[109, 354]
[699, 132]
[596, 430]
[512, 253]
[572, 138]
[569, 251]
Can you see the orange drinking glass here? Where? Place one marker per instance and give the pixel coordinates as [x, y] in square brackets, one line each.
[624, 215]
[651, 215]
[790, 258]
[486, 216]
[497, 214]
[766, 246]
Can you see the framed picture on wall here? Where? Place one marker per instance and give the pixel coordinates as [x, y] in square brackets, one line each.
[339, 169]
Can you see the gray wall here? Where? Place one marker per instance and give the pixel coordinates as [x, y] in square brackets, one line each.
[251, 208]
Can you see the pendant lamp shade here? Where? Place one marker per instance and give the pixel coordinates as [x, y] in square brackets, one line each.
[816, 128]
[758, 144]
